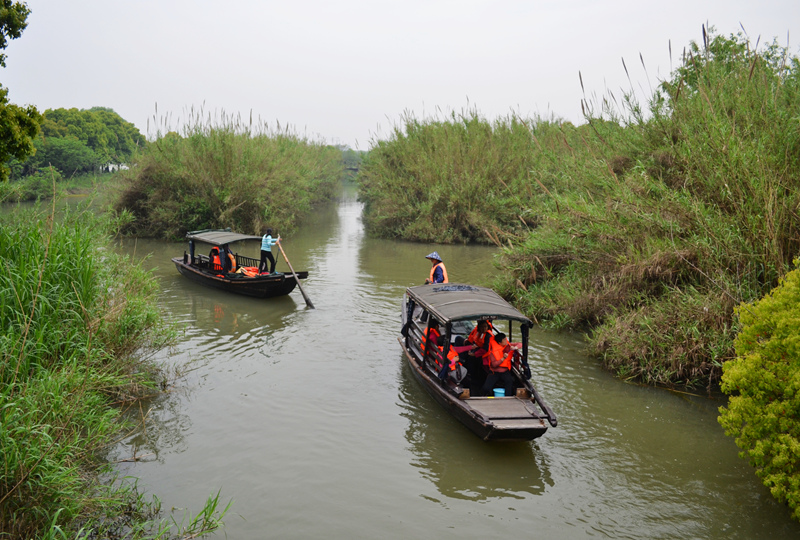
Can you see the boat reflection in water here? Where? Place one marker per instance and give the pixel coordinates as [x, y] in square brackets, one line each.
[457, 462]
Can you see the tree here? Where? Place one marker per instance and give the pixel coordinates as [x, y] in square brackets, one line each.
[18, 125]
[13, 20]
[106, 133]
[68, 155]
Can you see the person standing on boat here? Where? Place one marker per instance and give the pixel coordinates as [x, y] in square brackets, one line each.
[501, 354]
[438, 271]
[266, 252]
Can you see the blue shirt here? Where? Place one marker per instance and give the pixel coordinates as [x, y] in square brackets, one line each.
[438, 275]
[267, 242]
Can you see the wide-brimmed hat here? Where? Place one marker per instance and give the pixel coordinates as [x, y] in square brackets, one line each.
[434, 255]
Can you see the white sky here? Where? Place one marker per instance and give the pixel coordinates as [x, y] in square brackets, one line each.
[344, 71]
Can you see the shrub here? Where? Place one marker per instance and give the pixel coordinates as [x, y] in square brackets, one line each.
[763, 413]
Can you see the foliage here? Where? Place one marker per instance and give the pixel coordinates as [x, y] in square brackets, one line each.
[111, 138]
[448, 180]
[351, 161]
[41, 185]
[226, 175]
[13, 20]
[75, 318]
[69, 155]
[18, 125]
[764, 410]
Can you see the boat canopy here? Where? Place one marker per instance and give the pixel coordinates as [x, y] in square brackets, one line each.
[218, 237]
[450, 302]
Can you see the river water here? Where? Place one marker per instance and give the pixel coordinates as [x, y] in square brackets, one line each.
[309, 421]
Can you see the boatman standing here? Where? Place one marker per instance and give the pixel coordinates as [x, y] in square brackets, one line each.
[266, 252]
[438, 271]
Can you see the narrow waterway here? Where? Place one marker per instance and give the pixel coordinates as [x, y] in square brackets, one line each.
[310, 422]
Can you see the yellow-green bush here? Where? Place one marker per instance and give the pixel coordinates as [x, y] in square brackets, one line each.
[764, 380]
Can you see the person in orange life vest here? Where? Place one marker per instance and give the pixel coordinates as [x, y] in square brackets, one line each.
[501, 354]
[438, 271]
[476, 359]
[432, 336]
[479, 337]
[455, 370]
[213, 257]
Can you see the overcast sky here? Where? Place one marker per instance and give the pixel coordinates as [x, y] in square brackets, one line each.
[345, 71]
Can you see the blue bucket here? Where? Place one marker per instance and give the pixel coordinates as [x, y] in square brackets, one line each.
[499, 392]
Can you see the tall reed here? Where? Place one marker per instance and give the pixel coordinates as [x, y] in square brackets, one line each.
[452, 179]
[689, 210]
[75, 322]
[222, 172]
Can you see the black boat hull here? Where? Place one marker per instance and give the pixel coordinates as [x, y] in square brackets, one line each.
[263, 286]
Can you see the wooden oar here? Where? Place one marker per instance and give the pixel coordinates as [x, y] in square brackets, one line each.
[297, 279]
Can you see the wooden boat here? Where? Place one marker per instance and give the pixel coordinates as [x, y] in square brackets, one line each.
[456, 308]
[199, 268]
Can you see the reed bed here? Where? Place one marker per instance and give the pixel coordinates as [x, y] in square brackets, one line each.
[217, 172]
[77, 324]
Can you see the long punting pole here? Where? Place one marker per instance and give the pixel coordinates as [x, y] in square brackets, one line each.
[297, 279]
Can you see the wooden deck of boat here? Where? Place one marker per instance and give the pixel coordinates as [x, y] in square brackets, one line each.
[507, 412]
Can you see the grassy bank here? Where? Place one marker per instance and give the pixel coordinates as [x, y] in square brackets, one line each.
[226, 174]
[645, 226]
[76, 322]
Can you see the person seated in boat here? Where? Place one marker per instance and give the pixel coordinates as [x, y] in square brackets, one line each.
[228, 259]
[438, 271]
[477, 339]
[431, 335]
[475, 358]
[266, 252]
[214, 259]
[456, 370]
[501, 356]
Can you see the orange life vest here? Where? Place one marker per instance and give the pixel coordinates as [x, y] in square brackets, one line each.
[216, 263]
[433, 334]
[479, 339]
[452, 356]
[497, 353]
[444, 272]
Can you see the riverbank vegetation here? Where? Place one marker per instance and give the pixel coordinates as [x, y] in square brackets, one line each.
[76, 324]
[226, 173]
[645, 226]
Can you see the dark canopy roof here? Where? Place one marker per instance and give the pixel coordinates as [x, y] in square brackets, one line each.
[217, 237]
[457, 302]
